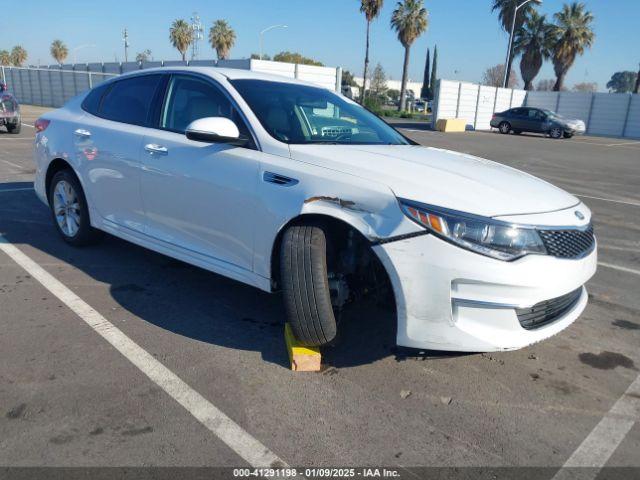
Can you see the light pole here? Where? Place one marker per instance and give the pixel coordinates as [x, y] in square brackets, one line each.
[125, 38]
[513, 27]
[265, 31]
[80, 47]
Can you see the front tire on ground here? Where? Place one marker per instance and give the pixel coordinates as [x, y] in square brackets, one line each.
[504, 127]
[14, 127]
[568, 135]
[305, 285]
[556, 132]
[69, 210]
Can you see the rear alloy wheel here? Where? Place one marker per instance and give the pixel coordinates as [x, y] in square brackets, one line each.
[504, 127]
[305, 285]
[69, 210]
[556, 132]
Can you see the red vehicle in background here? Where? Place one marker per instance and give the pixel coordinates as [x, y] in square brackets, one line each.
[9, 110]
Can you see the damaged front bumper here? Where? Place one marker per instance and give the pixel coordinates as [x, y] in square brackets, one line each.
[448, 298]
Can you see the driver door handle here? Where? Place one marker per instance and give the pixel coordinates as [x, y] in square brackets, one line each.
[154, 148]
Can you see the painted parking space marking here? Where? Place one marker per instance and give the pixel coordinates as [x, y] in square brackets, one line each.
[27, 125]
[604, 439]
[624, 202]
[617, 267]
[15, 165]
[232, 434]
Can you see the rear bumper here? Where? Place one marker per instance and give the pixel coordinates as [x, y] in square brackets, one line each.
[448, 298]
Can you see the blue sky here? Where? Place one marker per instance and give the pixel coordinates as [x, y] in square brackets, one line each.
[466, 32]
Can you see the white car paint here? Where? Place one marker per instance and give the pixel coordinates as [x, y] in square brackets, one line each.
[208, 205]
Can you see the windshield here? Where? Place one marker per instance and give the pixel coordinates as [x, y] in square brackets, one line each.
[300, 114]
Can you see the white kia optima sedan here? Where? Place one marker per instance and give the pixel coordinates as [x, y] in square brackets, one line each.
[290, 187]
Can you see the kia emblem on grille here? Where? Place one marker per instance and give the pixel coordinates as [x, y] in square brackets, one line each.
[579, 215]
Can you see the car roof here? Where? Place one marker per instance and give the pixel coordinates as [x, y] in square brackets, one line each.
[217, 73]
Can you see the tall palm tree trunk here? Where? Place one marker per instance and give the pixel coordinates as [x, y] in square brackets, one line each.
[366, 66]
[559, 81]
[405, 72]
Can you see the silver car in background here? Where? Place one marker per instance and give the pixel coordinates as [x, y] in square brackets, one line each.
[9, 110]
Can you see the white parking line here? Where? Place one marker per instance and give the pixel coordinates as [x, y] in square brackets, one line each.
[232, 434]
[622, 269]
[11, 163]
[635, 204]
[604, 439]
[27, 125]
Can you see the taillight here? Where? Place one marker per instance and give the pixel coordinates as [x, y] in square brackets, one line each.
[41, 124]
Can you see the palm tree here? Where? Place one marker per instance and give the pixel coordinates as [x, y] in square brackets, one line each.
[18, 55]
[5, 58]
[59, 51]
[181, 36]
[573, 35]
[505, 10]
[534, 41]
[222, 38]
[371, 10]
[409, 20]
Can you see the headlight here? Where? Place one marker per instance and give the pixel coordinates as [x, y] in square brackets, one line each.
[483, 235]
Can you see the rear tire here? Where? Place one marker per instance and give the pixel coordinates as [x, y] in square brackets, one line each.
[504, 128]
[305, 285]
[69, 210]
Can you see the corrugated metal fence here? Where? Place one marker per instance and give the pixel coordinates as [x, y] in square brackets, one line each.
[609, 114]
[52, 86]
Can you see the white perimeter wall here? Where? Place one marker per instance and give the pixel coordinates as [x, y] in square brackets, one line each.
[608, 114]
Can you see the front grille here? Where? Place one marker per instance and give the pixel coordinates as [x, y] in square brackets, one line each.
[568, 243]
[546, 312]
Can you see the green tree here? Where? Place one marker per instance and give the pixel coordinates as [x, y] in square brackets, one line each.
[534, 41]
[348, 79]
[18, 56]
[434, 73]
[378, 85]
[5, 57]
[573, 34]
[424, 91]
[143, 56]
[409, 20]
[371, 10]
[293, 57]
[622, 82]
[256, 56]
[222, 38]
[506, 9]
[181, 36]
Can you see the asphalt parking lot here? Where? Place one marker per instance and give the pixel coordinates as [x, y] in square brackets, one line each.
[69, 398]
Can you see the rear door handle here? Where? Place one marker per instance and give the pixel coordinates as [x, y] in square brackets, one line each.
[81, 132]
[154, 148]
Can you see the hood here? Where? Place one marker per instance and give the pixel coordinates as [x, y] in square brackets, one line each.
[441, 177]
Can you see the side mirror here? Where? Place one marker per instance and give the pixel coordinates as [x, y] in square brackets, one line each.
[215, 130]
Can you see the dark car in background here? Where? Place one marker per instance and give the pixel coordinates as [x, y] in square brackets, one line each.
[536, 120]
[9, 110]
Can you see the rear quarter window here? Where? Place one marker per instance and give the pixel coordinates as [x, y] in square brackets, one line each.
[129, 100]
[91, 102]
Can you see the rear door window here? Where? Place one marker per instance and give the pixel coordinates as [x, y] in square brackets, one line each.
[92, 101]
[129, 100]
